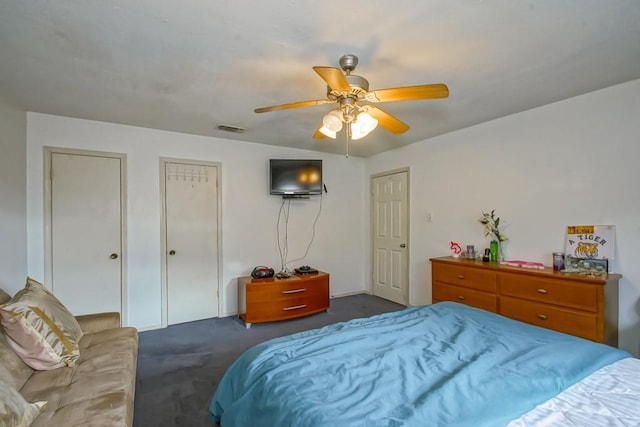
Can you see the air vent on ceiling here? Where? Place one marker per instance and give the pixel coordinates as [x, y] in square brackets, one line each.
[229, 128]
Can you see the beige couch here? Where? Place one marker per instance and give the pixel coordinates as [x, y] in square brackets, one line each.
[98, 391]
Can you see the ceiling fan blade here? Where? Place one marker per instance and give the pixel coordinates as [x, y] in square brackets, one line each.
[408, 93]
[318, 134]
[334, 78]
[387, 121]
[293, 105]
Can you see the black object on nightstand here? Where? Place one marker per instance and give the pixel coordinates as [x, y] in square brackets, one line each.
[305, 269]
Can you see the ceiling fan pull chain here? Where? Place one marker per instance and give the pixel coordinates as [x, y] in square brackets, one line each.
[347, 137]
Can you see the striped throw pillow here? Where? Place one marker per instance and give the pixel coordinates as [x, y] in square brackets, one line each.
[41, 330]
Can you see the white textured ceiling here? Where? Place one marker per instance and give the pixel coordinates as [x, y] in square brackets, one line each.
[188, 65]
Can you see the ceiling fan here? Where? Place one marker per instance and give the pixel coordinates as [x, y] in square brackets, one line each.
[354, 99]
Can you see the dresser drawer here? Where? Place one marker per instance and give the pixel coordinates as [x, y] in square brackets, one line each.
[571, 322]
[285, 291]
[470, 277]
[550, 291]
[290, 307]
[478, 299]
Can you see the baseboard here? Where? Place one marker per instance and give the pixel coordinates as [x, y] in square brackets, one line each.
[348, 294]
[228, 314]
[150, 328]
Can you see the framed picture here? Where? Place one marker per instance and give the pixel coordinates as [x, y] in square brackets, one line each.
[590, 241]
[585, 265]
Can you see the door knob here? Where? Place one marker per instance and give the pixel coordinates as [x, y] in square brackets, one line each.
[172, 252]
[113, 256]
[403, 245]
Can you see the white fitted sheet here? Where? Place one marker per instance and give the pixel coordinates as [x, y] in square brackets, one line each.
[608, 397]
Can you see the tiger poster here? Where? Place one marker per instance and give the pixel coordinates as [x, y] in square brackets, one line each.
[590, 241]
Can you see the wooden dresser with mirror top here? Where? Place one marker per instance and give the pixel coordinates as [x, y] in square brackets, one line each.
[572, 303]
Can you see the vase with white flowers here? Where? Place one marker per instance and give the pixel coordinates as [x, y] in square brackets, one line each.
[491, 224]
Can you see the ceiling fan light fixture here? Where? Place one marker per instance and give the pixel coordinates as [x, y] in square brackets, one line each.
[367, 122]
[363, 125]
[327, 132]
[333, 121]
[356, 132]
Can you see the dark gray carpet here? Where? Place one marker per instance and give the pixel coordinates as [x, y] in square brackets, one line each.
[179, 367]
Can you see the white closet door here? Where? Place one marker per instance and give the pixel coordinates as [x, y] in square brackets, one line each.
[390, 234]
[191, 204]
[86, 233]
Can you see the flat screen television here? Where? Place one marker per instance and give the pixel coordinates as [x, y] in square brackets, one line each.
[293, 177]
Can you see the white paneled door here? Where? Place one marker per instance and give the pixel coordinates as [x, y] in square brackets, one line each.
[85, 242]
[191, 240]
[390, 232]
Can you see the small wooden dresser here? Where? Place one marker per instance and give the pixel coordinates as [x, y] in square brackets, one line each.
[268, 300]
[574, 304]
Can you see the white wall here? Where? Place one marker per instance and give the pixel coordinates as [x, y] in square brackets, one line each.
[572, 162]
[249, 213]
[13, 203]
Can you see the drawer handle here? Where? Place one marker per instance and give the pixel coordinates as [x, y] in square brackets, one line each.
[460, 297]
[541, 317]
[295, 307]
[293, 291]
[461, 276]
[542, 291]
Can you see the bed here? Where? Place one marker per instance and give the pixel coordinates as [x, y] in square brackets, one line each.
[445, 364]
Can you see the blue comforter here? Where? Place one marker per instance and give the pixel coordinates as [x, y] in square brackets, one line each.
[440, 365]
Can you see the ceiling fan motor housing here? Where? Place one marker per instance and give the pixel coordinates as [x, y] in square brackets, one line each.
[359, 88]
[348, 62]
